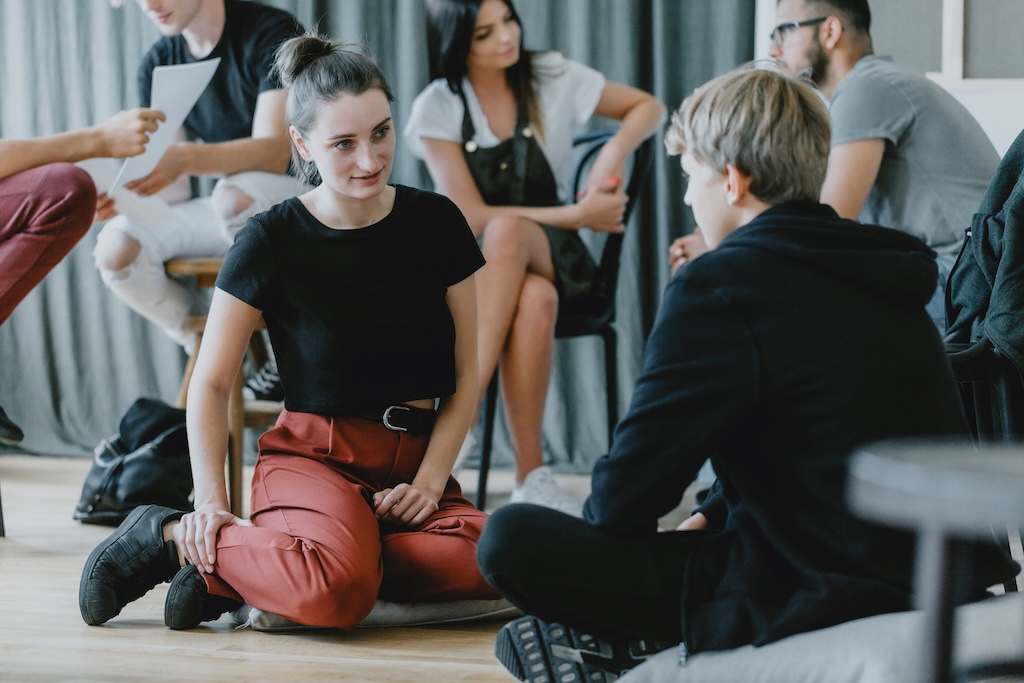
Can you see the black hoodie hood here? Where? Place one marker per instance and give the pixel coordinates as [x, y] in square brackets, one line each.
[888, 263]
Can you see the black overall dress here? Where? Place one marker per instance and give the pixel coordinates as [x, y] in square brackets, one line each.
[515, 172]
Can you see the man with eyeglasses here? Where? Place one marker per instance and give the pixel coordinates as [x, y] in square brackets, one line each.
[905, 154]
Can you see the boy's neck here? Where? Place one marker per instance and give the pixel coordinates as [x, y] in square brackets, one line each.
[206, 28]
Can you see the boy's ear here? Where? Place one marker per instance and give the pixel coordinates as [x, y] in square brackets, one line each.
[737, 185]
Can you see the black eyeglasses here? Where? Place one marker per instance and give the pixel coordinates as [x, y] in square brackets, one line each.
[780, 32]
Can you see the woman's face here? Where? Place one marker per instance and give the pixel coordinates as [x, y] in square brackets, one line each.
[352, 143]
[495, 43]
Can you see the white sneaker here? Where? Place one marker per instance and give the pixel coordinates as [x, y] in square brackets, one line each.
[540, 488]
[467, 449]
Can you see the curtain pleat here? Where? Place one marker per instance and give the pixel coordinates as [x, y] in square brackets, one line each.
[73, 357]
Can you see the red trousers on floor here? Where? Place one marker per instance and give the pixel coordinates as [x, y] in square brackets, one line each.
[44, 212]
[317, 554]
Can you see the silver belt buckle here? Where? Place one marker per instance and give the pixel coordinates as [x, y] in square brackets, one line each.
[387, 418]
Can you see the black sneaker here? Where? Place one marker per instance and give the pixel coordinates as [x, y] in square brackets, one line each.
[128, 564]
[10, 433]
[188, 604]
[265, 385]
[541, 652]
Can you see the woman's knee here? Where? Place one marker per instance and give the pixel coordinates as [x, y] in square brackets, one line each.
[538, 303]
[334, 599]
[336, 607]
[504, 238]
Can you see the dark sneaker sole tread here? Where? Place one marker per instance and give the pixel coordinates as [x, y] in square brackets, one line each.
[536, 651]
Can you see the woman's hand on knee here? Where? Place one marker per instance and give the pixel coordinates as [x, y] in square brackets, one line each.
[404, 504]
[196, 536]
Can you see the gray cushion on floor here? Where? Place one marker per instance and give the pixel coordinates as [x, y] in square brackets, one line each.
[879, 649]
[402, 614]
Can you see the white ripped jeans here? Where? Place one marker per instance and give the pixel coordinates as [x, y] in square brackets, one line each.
[187, 229]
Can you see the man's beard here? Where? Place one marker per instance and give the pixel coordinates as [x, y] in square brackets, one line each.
[817, 64]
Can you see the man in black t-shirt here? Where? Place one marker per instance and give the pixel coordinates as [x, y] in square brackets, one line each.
[236, 130]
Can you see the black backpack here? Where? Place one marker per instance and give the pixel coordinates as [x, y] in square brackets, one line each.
[146, 462]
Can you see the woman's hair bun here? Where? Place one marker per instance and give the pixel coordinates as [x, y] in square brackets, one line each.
[295, 55]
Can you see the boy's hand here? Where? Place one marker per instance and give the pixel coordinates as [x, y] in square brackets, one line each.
[105, 208]
[694, 522]
[168, 170]
[685, 249]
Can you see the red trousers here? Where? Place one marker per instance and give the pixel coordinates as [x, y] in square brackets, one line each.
[317, 554]
[44, 212]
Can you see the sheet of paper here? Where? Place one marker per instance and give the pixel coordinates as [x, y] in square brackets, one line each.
[175, 91]
[103, 171]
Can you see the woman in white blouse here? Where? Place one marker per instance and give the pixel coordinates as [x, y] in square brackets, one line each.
[495, 128]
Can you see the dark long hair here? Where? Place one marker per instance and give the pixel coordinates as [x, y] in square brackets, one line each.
[450, 28]
[314, 71]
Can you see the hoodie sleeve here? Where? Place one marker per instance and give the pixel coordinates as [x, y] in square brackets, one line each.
[699, 377]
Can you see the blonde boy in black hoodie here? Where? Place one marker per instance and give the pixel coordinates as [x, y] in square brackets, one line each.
[800, 336]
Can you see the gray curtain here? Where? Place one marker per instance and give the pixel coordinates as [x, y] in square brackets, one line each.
[73, 358]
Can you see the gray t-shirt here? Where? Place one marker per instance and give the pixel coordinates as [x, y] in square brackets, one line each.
[937, 163]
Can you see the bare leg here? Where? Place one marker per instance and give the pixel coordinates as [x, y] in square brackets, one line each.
[526, 370]
[513, 247]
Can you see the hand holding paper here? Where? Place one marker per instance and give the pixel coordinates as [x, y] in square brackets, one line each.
[134, 206]
[175, 91]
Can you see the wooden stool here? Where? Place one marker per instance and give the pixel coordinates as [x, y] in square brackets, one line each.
[241, 413]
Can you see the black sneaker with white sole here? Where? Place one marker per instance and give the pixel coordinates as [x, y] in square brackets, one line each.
[265, 385]
[537, 651]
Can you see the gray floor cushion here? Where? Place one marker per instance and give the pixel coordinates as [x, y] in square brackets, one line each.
[880, 649]
[397, 614]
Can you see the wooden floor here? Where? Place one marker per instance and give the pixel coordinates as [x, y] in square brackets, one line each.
[43, 637]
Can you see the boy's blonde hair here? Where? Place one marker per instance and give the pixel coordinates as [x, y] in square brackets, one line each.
[771, 126]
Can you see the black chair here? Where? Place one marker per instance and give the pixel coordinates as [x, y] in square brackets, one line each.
[992, 390]
[606, 279]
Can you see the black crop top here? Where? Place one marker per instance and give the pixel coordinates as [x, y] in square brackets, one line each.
[358, 318]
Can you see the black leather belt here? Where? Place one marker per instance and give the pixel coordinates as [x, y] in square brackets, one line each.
[402, 418]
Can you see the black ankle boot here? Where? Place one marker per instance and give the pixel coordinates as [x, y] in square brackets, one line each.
[129, 564]
[188, 602]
